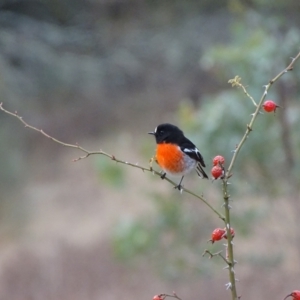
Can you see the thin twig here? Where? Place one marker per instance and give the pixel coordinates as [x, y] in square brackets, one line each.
[112, 157]
[211, 255]
[254, 116]
[236, 81]
[174, 295]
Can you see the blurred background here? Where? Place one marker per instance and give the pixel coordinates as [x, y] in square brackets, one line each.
[103, 73]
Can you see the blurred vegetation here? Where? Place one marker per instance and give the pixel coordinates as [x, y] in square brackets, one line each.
[109, 173]
[170, 237]
[258, 49]
[86, 68]
[270, 157]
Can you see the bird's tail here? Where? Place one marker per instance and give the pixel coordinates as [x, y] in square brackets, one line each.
[200, 171]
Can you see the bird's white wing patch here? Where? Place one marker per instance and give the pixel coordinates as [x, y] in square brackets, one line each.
[189, 150]
[192, 150]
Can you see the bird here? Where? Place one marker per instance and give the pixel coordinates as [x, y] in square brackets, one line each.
[175, 154]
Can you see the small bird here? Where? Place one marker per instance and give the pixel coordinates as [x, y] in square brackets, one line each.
[176, 154]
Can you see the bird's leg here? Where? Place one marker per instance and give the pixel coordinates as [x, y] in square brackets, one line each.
[178, 186]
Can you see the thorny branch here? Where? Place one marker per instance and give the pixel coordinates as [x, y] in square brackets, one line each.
[258, 107]
[230, 259]
[211, 255]
[112, 157]
[164, 296]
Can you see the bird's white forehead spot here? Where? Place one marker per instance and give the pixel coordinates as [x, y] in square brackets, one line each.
[155, 130]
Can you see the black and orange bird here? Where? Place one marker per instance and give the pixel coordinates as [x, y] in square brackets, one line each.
[176, 154]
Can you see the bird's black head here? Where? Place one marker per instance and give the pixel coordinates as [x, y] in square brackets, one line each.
[167, 133]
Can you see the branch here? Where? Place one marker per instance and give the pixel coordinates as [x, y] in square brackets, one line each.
[211, 255]
[164, 296]
[226, 196]
[236, 81]
[112, 157]
[254, 116]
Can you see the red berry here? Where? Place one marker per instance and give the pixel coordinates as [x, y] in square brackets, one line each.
[217, 171]
[295, 294]
[218, 159]
[269, 106]
[232, 234]
[217, 234]
[158, 297]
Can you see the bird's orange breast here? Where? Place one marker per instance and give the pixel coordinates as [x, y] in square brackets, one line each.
[170, 158]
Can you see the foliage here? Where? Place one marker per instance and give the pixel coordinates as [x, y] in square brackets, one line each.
[216, 128]
[169, 237]
[253, 55]
[112, 174]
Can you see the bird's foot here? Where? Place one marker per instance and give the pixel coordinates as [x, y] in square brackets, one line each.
[163, 176]
[178, 187]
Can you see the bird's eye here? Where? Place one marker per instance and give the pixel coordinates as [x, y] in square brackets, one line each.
[161, 132]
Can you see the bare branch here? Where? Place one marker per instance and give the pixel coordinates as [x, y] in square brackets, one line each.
[237, 82]
[255, 114]
[211, 255]
[164, 296]
[112, 157]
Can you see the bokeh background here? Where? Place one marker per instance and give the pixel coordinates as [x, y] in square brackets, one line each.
[103, 73]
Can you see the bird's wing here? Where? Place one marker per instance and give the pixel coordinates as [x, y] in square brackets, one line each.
[191, 150]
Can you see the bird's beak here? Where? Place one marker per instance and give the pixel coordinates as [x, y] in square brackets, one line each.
[151, 133]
